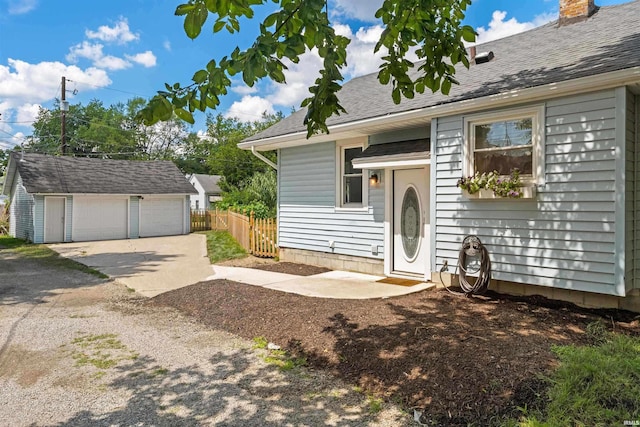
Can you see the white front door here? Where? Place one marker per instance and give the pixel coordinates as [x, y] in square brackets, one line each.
[411, 221]
[54, 219]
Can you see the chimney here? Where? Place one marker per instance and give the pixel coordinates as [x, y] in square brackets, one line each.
[576, 10]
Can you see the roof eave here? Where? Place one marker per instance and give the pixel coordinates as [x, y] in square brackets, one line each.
[538, 93]
[10, 174]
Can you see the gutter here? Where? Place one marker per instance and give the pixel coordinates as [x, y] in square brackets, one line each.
[263, 158]
[538, 93]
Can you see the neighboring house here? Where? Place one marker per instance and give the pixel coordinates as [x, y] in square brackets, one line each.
[65, 199]
[560, 101]
[207, 188]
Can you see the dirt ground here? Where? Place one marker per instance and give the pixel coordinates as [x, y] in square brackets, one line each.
[463, 361]
[76, 350]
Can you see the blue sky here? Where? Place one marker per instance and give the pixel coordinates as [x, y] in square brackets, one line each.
[115, 50]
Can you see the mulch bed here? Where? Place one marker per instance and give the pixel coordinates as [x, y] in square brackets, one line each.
[465, 361]
[292, 268]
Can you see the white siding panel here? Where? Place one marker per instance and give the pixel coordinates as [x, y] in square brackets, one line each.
[308, 218]
[632, 195]
[566, 236]
[21, 212]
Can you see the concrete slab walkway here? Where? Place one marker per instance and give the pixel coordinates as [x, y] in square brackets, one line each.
[333, 284]
[156, 265]
[151, 265]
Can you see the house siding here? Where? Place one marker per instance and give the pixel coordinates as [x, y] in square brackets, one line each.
[632, 194]
[21, 212]
[38, 218]
[134, 217]
[308, 218]
[69, 219]
[566, 236]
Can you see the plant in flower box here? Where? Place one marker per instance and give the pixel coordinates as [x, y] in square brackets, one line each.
[502, 186]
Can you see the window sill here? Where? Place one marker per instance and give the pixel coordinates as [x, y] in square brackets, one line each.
[484, 194]
[351, 209]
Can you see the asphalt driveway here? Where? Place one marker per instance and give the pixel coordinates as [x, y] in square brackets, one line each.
[151, 266]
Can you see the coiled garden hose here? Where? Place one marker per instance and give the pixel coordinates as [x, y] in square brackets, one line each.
[471, 247]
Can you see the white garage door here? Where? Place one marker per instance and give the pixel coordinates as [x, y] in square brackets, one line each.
[99, 218]
[161, 216]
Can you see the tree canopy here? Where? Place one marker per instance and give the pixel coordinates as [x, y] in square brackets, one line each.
[431, 28]
[225, 158]
[107, 131]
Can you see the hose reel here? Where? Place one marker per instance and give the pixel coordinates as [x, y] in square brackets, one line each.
[472, 249]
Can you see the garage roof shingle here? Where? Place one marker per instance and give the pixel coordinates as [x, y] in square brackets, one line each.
[81, 175]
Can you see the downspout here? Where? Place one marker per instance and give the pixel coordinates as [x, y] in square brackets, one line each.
[263, 158]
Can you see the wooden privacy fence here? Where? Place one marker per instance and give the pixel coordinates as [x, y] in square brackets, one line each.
[259, 237]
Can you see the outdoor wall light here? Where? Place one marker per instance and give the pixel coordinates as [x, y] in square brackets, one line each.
[375, 177]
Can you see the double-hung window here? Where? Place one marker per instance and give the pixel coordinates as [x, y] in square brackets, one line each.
[505, 141]
[351, 180]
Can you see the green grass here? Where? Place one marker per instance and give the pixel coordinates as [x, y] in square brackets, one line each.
[260, 342]
[221, 246]
[596, 385]
[45, 255]
[101, 351]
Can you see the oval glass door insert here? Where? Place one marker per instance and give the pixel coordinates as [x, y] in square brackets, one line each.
[410, 223]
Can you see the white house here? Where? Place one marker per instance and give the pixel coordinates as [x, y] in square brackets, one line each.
[208, 190]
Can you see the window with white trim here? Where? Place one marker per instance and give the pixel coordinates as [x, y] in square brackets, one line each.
[352, 183]
[505, 141]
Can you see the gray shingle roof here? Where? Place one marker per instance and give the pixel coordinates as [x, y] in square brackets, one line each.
[607, 41]
[209, 182]
[393, 148]
[73, 175]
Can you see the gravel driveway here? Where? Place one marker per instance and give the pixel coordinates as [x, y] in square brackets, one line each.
[76, 350]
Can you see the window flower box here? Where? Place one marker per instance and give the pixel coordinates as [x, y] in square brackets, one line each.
[494, 186]
[485, 194]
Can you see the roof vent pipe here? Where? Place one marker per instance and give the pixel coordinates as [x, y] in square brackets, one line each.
[483, 57]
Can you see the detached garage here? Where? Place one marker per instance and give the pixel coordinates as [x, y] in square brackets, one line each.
[65, 199]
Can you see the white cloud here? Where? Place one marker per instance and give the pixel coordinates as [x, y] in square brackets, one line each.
[250, 108]
[242, 89]
[30, 83]
[119, 33]
[499, 28]
[361, 59]
[113, 63]
[19, 7]
[363, 10]
[23, 85]
[167, 45]
[93, 52]
[27, 113]
[147, 58]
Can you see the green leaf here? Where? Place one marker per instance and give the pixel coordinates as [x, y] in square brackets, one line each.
[200, 76]
[446, 86]
[468, 34]
[219, 25]
[184, 115]
[183, 9]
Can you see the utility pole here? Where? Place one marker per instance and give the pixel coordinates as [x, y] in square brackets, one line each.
[64, 107]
